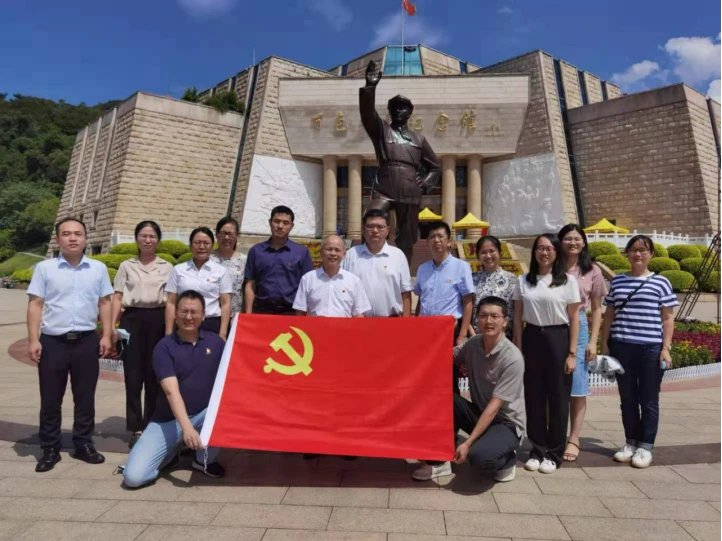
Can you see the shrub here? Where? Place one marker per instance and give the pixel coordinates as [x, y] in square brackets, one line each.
[111, 274]
[712, 284]
[169, 258]
[659, 264]
[702, 248]
[602, 248]
[685, 354]
[111, 260]
[125, 248]
[185, 257]
[679, 279]
[679, 252]
[660, 251]
[697, 326]
[22, 275]
[691, 264]
[175, 248]
[616, 262]
[6, 253]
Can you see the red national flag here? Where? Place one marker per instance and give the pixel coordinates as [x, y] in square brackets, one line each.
[361, 387]
[409, 7]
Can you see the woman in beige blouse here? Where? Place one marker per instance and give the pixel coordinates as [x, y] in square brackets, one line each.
[140, 295]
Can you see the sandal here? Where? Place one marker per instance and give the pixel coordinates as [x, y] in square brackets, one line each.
[571, 457]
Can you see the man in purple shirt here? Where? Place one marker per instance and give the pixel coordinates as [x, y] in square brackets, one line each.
[275, 267]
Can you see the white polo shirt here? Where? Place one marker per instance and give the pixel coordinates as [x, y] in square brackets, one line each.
[340, 296]
[385, 276]
[542, 305]
[211, 280]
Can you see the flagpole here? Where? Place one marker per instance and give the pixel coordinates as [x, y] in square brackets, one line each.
[402, 37]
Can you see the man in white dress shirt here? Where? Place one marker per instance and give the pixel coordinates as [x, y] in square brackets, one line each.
[330, 291]
[383, 269]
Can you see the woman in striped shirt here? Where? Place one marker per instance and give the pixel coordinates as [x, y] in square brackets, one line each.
[638, 327]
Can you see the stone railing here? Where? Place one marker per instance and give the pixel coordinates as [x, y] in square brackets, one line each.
[665, 239]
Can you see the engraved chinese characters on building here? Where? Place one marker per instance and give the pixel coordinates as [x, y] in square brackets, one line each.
[416, 123]
[468, 121]
[317, 120]
[493, 130]
[341, 122]
[442, 122]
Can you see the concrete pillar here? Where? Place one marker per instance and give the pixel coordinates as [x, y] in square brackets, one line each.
[330, 198]
[473, 193]
[448, 189]
[354, 197]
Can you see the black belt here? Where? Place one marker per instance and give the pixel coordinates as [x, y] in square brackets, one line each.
[549, 327]
[72, 336]
[212, 318]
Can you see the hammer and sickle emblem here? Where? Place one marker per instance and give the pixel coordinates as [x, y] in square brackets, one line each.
[300, 363]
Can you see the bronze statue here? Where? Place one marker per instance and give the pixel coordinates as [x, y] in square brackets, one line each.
[408, 166]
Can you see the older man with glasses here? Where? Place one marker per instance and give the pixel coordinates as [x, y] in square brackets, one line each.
[382, 268]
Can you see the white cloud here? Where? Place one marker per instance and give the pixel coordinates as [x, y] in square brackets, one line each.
[714, 90]
[207, 8]
[695, 59]
[505, 10]
[334, 12]
[416, 30]
[635, 74]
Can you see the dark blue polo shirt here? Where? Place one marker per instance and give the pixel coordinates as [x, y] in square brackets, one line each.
[194, 366]
[277, 272]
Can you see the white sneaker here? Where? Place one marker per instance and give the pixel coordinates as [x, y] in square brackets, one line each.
[548, 466]
[532, 465]
[642, 458]
[625, 454]
[505, 475]
[428, 472]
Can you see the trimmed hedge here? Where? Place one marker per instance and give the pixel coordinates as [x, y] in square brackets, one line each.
[111, 260]
[125, 248]
[660, 251]
[691, 264]
[661, 264]
[22, 275]
[703, 248]
[616, 262]
[175, 248]
[679, 252]
[712, 285]
[185, 257]
[602, 247]
[169, 258]
[111, 274]
[679, 279]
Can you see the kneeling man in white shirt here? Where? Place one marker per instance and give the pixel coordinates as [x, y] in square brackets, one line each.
[330, 291]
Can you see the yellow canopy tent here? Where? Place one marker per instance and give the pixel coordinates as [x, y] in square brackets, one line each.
[605, 226]
[470, 222]
[428, 215]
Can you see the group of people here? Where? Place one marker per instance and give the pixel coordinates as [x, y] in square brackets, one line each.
[523, 342]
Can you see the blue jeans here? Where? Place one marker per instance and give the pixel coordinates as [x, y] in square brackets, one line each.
[639, 390]
[157, 446]
[580, 376]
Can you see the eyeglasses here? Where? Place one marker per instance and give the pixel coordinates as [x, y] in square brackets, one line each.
[438, 237]
[202, 244]
[573, 240]
[643, 251]
[545, 249]
[488, 252]
[490, 317]
[227, 233]
[185, 313]
[374, 227]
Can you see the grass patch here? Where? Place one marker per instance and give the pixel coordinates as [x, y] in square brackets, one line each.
[18, 261]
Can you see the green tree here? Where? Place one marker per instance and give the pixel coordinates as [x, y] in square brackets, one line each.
[38, 220]
[190, 94]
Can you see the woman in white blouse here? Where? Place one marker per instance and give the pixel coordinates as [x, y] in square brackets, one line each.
[547, 300]
[208, 278]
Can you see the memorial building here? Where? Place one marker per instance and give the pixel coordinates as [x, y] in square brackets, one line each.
[527, 144]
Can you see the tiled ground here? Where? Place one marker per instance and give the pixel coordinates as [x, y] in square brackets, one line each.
[277, 497]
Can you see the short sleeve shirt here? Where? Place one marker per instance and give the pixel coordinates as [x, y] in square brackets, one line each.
[195, 366]
[591, 285]
[211, 280]
[235, 267]
[70, 294]
[441, 288]
[142, 287]
[544, 306]
[385, 276]
[500, 283]
[277, 273]
[339, 296]
[499, 374]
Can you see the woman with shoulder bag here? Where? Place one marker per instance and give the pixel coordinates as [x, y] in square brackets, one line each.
[638, 329]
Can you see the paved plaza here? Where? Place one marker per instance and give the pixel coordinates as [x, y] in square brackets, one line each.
[275, 497]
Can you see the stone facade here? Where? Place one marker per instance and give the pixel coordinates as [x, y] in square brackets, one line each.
[594, 88]
[436, 63]
[572, 90]
[649, 161]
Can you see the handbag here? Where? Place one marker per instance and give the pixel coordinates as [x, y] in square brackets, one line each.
[633, 293]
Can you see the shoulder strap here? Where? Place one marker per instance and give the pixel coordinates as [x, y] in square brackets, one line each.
[633, 293]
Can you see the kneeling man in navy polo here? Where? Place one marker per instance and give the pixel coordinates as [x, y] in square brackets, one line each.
[185, 364]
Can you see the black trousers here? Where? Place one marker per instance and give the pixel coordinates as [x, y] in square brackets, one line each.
[496, 448]
[407, 223]
[211, 324]
[146, 327]
[277, 307]
[59, 358]
[547, 390]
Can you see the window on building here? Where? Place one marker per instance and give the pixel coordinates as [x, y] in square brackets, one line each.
[342, 176]
[368, 175]
[95, 218]
[604, 91]
[408, 56]
[583, 87]
[97, 248]
[460, 176]
[344, 70]
[463, 67]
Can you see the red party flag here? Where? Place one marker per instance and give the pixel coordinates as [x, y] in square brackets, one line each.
[362, 387]
[409, 7]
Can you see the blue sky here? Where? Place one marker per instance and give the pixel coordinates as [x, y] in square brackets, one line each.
[91, 51]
